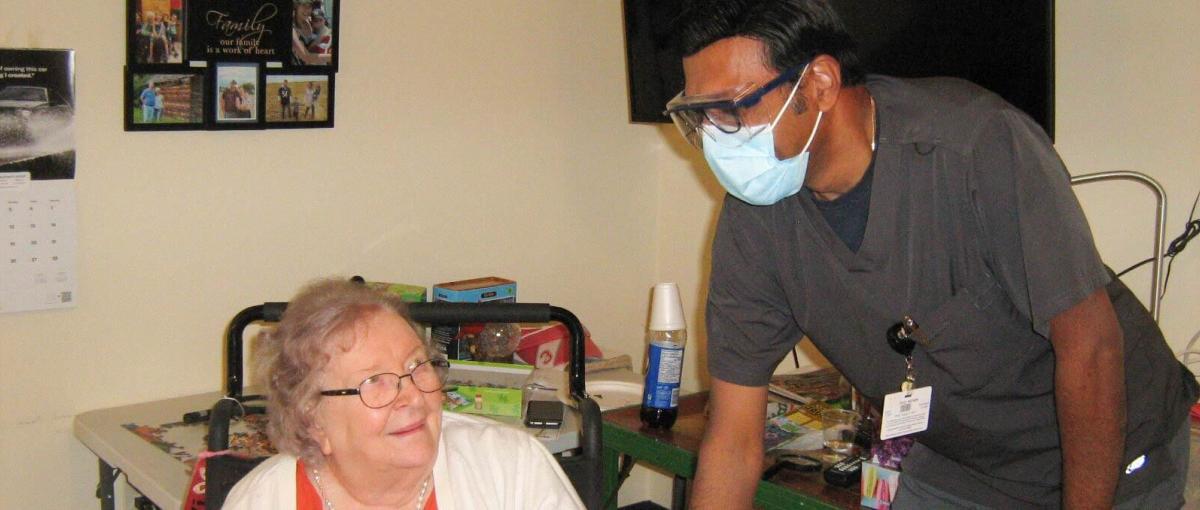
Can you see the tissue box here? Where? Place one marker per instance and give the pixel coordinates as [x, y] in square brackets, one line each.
[485, 388]
[477, 290]
[492, 375]
[484, 400]
[879, 486]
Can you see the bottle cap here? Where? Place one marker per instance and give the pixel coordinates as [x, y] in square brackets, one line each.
[666, 310]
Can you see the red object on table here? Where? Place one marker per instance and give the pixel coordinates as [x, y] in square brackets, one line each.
[549, 346]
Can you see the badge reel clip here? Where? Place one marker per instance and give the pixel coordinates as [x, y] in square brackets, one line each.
[907, 411]
[902, 338]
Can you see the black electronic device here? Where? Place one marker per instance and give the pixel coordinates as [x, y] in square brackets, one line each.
[797, 463]
[1007, 47]
[845, 472]
[544, 414]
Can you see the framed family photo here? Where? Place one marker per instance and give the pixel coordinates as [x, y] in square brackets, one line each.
[230, 64]
[156, 101]
[236, 93]
[299, 100]
[157, 31]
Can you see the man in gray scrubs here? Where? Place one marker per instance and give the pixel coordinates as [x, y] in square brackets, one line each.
[858, 200]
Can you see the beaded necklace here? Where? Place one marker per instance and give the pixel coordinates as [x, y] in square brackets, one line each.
[329, 504]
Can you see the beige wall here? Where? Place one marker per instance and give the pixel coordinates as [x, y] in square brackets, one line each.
[473, 138]
[504, 151]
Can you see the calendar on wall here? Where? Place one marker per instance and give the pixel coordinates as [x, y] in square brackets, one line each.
[39, 247]
[37, 180]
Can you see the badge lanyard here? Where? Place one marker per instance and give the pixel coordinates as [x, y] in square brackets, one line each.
[907, 411]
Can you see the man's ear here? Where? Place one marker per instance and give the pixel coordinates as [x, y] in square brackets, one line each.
[825, 79]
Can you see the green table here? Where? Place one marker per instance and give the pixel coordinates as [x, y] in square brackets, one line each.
[675, 452]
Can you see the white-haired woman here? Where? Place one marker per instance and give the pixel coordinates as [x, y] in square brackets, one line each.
[355, 409]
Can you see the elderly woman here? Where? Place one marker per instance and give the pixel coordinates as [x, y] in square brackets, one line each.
[355, 406]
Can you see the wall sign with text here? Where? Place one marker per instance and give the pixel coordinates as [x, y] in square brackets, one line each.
[230, 64]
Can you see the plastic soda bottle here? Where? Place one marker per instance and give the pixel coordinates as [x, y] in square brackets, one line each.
[665, 339]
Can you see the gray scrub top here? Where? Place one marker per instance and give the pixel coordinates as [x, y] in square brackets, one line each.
[974, 232]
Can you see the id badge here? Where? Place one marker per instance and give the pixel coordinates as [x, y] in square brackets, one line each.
[905, 412]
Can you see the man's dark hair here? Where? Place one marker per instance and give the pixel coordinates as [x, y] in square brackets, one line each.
[793, 31]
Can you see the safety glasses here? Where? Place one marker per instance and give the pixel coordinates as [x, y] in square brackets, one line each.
[722, 111]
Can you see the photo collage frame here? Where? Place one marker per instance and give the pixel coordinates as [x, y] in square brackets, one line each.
[230, 64]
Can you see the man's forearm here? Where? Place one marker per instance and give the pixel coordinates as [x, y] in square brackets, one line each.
[1089, 388]
[1091, 417]
[731, 452]
[727, 473]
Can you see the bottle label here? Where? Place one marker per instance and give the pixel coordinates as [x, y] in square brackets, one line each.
[662, 377]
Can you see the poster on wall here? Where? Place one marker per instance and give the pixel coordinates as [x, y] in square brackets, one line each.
[37, 179]
[183, 51]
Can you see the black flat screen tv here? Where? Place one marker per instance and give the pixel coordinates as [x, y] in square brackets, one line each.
[1005, 46]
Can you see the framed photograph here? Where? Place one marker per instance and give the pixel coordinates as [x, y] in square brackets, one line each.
[157, 31]
[314, 33]
[236, 93]
[163, 100]
[303, 100]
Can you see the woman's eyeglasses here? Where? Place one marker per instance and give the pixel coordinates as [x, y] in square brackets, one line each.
[380, 390]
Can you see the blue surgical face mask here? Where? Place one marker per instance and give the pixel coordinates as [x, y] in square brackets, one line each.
[749, 170]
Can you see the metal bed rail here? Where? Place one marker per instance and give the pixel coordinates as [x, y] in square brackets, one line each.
[1160, 224]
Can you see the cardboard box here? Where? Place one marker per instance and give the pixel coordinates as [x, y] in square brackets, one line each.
[879, 486]
[409, 293]
[449, 339]
[485, 388]
[477, 290]
[493, 375]
[484, 400]
[549, 345]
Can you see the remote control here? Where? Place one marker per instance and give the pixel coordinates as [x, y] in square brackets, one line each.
[845, 472]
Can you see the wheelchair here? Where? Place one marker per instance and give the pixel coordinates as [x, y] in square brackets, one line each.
[582, 465]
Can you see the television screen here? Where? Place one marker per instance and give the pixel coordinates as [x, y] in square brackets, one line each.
[1007, 47]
